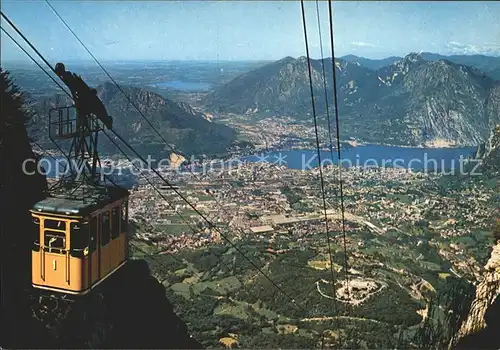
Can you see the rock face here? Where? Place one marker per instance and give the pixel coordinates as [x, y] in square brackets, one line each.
[185, 129]
[410, 102]
[486, 301]
[491, 157]
[483, 321]
[442, 101]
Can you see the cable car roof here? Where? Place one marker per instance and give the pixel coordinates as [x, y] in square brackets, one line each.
[76, 205]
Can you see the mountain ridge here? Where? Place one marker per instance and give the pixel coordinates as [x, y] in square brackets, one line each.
[187, 130]
[410, 102]
[488, 64]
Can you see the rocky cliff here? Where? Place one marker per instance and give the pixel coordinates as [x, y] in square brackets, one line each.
[491, 157]
[442, 100]
[483, 321]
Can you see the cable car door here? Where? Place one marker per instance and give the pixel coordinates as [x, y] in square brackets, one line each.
[55, 254]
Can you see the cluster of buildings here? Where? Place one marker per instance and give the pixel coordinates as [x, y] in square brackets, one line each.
[278, 133]
[276, 203]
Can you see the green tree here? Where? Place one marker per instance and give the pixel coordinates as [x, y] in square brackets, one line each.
[18, 192]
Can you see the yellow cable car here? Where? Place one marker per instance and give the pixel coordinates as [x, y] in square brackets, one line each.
[79, 243]
[81, 227]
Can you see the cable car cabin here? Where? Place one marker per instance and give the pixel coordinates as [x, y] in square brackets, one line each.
[78, 243]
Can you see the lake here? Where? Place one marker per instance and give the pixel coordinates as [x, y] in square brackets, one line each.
[183, 85]
[371, 155]
[431, 159]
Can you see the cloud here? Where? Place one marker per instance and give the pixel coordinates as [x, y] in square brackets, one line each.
[461, 48]
[111, 43]
[361, 44]
[492, 44]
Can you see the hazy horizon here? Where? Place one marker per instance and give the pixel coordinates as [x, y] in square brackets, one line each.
[250, 30]
[92, 62]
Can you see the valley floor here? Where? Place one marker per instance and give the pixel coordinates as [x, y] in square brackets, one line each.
[414, 243]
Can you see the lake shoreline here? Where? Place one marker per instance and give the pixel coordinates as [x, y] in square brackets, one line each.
[429, 146]
[356, 145]
[368, 155]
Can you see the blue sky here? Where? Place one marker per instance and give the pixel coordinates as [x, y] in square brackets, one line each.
[250, 30]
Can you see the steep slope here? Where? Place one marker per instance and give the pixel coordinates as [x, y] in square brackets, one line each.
[282, 88]
[491, 151]
[438, 100]
[410, 102]
[185, 129]
[480, 329]
[493, 107]
[481, 326]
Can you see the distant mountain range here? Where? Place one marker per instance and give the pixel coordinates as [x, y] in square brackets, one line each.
[369, 63]
[184, 128]
[488, 64]
[410, 101]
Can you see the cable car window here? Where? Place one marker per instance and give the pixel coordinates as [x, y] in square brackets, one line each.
[54, 224]
[79, 239]
[115, 222]
[36, 235]
[55, 242]
[93, 234]
[105, 229]
[124, 215]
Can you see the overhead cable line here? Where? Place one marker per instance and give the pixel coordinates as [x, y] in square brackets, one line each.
[150, 182]
[318, 151]
[30, 45]
[162, 178]
[208, 191]
[35, 61]
[152, 256]
[337, 126]
[211, 225]
[324, 82]
[106, 72]
[55, 81]
[159, 193]
[131, 102]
